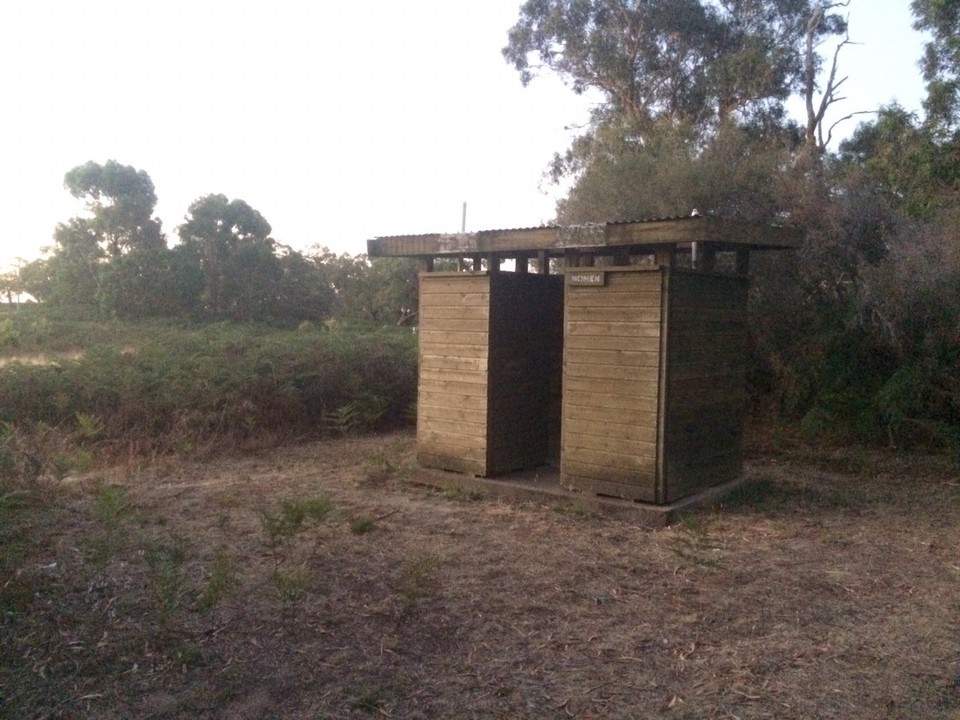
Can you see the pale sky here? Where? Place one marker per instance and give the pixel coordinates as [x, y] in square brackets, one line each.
[338, 121]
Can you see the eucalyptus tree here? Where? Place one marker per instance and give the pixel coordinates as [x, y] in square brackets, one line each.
[692, 62]
[941, 61]
[237, 255]
[121, 201]
[680, 83]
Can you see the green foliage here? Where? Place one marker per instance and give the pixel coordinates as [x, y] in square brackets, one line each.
[116, 263]
[379, 468]
[381, 291]
[362, 525]
[941, 61]
[280, 526]
[168, 585]
[109, 505]
[344, 419]
[418, 579]
[669, 173]
[9, 335]
[688, 62]
[369, 700]
[120, 200]
[222, 581]
[899, 158]
[291, 517]
[236, 254]
[89, 428]
[290, 584]
[457, 492]
[173, 387]
[150, 282]
[110, 510]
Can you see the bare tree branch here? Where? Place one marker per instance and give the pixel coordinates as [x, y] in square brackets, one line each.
[845, 118]
[814, 141]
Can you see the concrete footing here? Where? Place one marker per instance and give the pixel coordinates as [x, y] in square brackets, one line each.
[543, 486]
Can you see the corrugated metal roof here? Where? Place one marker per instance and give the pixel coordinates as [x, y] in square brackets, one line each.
[588, 237]
[551, 226]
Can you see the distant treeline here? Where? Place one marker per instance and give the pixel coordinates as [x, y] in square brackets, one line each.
[115, 261]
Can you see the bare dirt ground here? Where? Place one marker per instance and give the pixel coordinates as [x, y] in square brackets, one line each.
[316, 582]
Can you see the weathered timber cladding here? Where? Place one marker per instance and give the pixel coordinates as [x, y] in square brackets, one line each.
[705, 396]
[628, 374]
[453, 364]
[490, 361]
[653, 384]
[611, 383]
[526, 351]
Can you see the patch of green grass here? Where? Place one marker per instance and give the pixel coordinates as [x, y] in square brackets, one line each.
[292, 517]
[456, 492]
[574, 508]
[291, 584]
[379, 469]
[362, 525]
[418, 579]
[109, 504]
[188, 656]
[756, 494]
[17, 594]
[109, 508]
[167, 582]
[368, 700]
[764, 494]
[223, 580]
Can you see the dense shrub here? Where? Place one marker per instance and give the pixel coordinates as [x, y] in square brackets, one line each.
[169, 386]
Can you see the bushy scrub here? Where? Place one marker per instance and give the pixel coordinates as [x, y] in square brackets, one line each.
[169, 387]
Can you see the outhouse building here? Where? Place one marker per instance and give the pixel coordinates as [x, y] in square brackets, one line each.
[614, 351]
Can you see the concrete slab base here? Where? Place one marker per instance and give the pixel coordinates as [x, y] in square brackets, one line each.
[543, 486]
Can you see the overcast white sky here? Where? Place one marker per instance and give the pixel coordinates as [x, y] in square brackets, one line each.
[338, 121]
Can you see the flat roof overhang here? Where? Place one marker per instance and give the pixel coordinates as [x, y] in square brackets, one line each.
[557, 240]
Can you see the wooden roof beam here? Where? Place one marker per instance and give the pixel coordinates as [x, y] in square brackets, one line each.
[725, 234]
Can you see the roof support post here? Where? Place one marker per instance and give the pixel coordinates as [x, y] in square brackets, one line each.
[743, 260]
[708, 258]
[543, 263]
[621, 256]
[665, 255]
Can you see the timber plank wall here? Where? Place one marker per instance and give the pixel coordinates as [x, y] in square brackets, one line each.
[453, 362]
[490, 362]
[653, 383]
[611, 382]
[705, 390]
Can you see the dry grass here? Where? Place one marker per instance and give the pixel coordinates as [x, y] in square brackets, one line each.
[827, 588]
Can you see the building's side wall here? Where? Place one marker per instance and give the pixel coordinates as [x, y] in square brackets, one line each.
[706, 398]
[454, 361]
[526, 349]
[611, 371]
